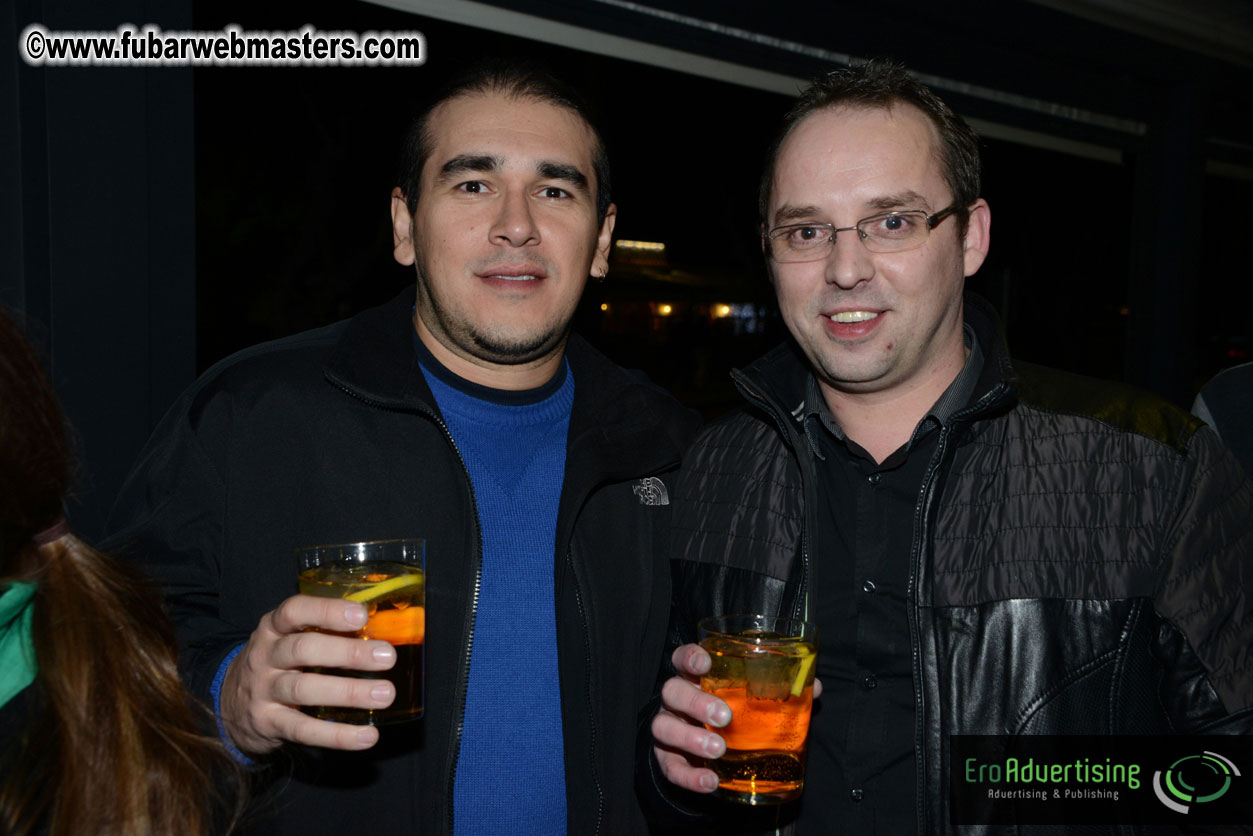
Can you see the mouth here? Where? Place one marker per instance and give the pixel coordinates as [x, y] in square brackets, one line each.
[850, 317]
[515, 273]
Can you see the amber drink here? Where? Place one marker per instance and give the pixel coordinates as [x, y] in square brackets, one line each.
[388, 577]
[763, 668]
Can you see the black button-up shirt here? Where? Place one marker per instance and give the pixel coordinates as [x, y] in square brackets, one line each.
[861, 774]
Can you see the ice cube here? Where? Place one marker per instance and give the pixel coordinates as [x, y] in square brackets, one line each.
[768, 675]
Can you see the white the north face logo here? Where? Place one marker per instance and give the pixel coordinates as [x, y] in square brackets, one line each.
[651, 491]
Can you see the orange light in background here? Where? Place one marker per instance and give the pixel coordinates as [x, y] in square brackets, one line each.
[665, 310]
[604, 306]
[640, 246]
[721, 311]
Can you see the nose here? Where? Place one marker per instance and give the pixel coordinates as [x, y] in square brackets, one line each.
[849, 262]
[514, 225]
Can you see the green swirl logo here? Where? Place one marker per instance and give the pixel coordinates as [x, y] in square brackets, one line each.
[1194, 779]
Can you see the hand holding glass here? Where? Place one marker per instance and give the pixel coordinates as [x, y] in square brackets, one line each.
[388, 577]
[763, 668]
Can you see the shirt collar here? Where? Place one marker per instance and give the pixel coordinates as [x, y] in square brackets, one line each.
[814, 411]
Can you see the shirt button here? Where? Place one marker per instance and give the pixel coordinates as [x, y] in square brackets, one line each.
[870, 682]
[858, 794]
[868, 586]
[873, 479]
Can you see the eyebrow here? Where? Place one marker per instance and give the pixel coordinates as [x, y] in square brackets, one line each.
[566, 173]
[788, 212]
[548, 169]
[905, 200]
[462, 163]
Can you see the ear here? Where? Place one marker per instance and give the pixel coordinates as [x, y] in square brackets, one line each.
[765, 254]
[402, 229]
[604, 239]
[978, 236]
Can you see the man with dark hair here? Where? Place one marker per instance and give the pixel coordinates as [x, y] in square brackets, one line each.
[536, 470]
[987, 548]
[513, 81]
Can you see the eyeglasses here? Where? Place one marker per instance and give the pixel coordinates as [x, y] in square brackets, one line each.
[891, 232]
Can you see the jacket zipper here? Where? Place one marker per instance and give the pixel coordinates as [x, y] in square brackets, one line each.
[915, 640]
[925, 498]
[800, 609]
[587, 686]
[463, 682]
[454, 751]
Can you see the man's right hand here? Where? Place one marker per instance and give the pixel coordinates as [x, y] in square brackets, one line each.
[265, 685]
[680, 739]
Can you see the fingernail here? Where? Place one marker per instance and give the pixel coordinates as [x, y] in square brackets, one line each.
[719, 715]
[708, 781]
[381, 693]
[367, 736]
[714, 746]
[355, 615]
[700, 662]
[383, 653]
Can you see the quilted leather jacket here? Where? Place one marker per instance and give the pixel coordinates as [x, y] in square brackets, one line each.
[1082, 558]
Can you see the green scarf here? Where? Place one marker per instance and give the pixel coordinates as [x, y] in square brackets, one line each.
[17, 651]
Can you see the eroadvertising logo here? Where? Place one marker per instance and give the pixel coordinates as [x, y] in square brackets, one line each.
[1050, 779]
[1210, 775]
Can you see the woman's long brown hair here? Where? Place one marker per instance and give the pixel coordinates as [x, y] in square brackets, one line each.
[115, 746]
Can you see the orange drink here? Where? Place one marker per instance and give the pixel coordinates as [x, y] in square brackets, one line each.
[763, 668]
[388, 577]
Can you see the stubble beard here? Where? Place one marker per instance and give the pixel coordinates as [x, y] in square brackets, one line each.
[500, 349]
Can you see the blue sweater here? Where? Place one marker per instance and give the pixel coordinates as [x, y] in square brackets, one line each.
[510, 772]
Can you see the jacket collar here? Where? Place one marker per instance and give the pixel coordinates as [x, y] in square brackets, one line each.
[778, 380]
[374, 359]
[616, 410]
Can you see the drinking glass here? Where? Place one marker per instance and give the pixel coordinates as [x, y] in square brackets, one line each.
[763, 668]
[389, 578]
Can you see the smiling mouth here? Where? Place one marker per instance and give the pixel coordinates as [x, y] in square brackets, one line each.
[853, 316]
[526, 277]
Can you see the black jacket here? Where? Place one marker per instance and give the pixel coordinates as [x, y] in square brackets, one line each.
[333, 436]
[1082, 560]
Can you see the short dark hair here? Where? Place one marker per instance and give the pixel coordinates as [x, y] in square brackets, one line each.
[881, 83]
[513, 80]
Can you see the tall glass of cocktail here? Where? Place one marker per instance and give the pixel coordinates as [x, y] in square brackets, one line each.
[763, 668]
[389, 578]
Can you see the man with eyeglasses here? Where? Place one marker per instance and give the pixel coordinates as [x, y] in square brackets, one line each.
[986, 547]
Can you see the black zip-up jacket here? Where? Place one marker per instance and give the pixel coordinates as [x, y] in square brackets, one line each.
[1082, 559]
[332, 436]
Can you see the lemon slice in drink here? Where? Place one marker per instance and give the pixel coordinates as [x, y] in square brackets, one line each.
[387, 587]
[802, 671]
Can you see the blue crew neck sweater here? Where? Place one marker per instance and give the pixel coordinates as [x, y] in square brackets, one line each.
[510, 771]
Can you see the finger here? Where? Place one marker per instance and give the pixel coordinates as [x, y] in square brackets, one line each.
[684, 698]
[298, 727]
[320, 650]
[691, 659]
[676, 734]
[301, 688]
[817, 688]
[681, 773]
[300, 612]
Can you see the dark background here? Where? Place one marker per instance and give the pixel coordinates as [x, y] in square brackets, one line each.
[155, 220]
